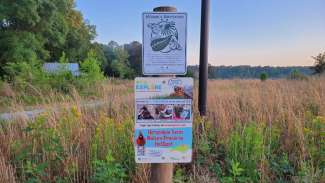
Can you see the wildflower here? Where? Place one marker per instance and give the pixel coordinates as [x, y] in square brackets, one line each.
[75, 111]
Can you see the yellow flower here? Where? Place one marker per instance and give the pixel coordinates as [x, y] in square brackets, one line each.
[75, 111]
[307, 130]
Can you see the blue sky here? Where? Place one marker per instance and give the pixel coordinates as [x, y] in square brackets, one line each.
[242, 32]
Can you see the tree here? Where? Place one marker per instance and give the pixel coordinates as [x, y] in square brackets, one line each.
[90, 69]
[108, 51]
[134, 50]
[319, 66]
[122, 61]
[263, 76]
[120, 64]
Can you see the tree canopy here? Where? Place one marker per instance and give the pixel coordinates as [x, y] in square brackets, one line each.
[42, 30]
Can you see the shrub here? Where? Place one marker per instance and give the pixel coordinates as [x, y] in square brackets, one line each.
[296, 75]
[21, 74]
[24, 75]
[263, 76]
[90, 69]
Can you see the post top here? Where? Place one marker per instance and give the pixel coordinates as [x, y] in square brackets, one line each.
[165, 9]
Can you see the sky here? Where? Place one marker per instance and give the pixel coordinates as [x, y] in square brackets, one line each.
[242, 32]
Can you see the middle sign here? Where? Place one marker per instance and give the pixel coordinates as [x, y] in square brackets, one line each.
[164, 43]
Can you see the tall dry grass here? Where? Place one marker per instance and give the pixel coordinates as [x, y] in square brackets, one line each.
[82, 133]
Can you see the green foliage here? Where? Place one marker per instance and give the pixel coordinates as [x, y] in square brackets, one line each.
[296, 75]
[114, 139]
[41, 30]
[122, 61]
[120, 65]
[108, 170]
[246, 148]
[190, 73]
[204, 142]
[179, 176]
[90, 69]
[236, 174]
[281, 167]
[63, 59]
[25, 76]
[134, 50]
[249, 72]
[314, 133]
[20, 47]
[263, 76]
[29, 157]
[42, 154]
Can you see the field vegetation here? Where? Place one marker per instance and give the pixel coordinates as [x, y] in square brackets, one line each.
[271, 131]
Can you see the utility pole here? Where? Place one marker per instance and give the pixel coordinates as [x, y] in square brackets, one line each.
[162, 172]
[204, 45]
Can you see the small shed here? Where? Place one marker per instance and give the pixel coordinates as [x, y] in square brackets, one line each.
[56, 67]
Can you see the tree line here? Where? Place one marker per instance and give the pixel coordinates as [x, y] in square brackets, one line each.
[250, 72]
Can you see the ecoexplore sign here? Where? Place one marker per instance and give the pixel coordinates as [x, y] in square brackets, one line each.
[163, 120]
[164, 43]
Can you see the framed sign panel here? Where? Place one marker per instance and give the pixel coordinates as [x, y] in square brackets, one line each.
[163, 120]
[164, 43]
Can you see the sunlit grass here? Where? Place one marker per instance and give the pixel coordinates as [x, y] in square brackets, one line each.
[254, 132]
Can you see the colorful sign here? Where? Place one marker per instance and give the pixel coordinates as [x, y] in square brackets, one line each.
[163, 120]
[164, 43]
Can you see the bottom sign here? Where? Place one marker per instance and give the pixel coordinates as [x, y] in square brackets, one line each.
[163, 120]
[159, 145]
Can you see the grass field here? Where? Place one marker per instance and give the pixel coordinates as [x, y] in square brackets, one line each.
[272, 131]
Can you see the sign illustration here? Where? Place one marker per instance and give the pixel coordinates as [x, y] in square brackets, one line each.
[163, 120]
[164, 43]
[164, 36]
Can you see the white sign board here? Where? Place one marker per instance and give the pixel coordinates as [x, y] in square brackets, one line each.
[163, 120]
[164, 43]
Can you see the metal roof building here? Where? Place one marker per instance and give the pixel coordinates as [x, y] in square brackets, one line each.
[56, 67]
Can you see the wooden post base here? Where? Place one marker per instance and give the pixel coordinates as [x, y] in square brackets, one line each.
[161, 173]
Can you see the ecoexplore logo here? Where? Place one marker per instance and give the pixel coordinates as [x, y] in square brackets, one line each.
[175, 82]
[144, 86]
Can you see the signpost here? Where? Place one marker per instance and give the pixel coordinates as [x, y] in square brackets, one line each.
[163, 105]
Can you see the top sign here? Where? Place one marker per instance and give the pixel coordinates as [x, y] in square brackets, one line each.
[164, 43]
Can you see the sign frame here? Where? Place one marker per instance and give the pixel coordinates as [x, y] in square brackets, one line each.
[143, 46]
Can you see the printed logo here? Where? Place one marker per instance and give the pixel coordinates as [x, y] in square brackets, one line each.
[143, 86]
[175, 82]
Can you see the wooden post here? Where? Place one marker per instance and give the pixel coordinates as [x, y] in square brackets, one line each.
[162, 172]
